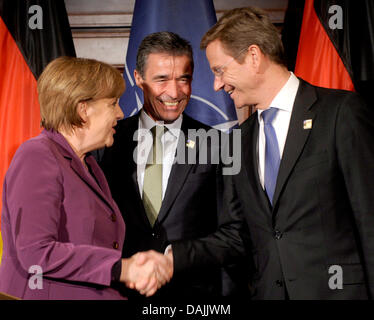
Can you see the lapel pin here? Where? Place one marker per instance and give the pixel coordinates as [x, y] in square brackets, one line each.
[190, 144]
[308, 124]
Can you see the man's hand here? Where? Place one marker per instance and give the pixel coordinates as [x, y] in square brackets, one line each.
[146, 271]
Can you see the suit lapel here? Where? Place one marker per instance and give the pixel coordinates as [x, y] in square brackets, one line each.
[250, 165]
[130, 155]
[99, 186]
[90, 160]
[250, 153]
[178, 174]
[77, 166]
[296, 136]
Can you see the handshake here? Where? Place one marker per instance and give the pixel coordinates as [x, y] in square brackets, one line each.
[147, 271]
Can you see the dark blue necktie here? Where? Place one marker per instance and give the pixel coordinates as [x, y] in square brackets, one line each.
[272, 158]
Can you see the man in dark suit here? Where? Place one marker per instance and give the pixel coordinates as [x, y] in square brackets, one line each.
[306, 186]
[177, 197]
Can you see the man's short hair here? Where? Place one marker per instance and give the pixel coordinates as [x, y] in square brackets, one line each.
[162, 42]
[240, 28]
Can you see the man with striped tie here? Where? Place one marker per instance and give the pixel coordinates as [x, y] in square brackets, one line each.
[165, 198]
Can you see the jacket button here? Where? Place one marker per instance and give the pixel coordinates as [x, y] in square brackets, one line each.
[277, 234]
[113, 217]
[115, 245]
[279, 283]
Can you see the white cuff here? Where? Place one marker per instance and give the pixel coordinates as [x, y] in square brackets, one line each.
[168, 249]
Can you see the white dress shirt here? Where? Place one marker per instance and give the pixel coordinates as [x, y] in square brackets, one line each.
[169, 142]
[284, 102]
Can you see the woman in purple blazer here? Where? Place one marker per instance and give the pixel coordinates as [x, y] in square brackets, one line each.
[62, 232]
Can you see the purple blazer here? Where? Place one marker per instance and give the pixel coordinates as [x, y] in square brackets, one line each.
[58, 216]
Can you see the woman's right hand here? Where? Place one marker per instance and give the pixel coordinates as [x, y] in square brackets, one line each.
[146, 271]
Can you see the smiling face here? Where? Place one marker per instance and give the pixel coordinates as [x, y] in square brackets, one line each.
[238, 80]
[102, 116]
[166, 85]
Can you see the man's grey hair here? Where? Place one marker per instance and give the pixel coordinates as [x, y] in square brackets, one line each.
[162, 42]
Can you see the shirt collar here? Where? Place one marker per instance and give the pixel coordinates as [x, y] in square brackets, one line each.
[285, 98]
[146, 122]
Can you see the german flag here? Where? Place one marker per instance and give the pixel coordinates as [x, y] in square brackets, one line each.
[32, 33]
[336, 45]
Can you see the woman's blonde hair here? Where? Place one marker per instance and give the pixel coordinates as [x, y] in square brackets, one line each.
[66, 81]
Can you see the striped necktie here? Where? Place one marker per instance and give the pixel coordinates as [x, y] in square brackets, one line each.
[152, 187]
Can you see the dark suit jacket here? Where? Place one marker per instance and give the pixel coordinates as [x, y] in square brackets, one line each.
[323, 212]
[189, 209]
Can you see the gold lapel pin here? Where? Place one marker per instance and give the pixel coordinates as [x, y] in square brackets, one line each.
[308, 124]
[190, 144]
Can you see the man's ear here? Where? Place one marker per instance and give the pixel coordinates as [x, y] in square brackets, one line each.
[254, 56]
[138, 79]
[82, 110]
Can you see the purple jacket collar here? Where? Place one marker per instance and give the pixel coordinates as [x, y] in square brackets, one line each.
[100, 185]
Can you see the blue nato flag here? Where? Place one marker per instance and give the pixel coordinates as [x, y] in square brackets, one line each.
[190, 19]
